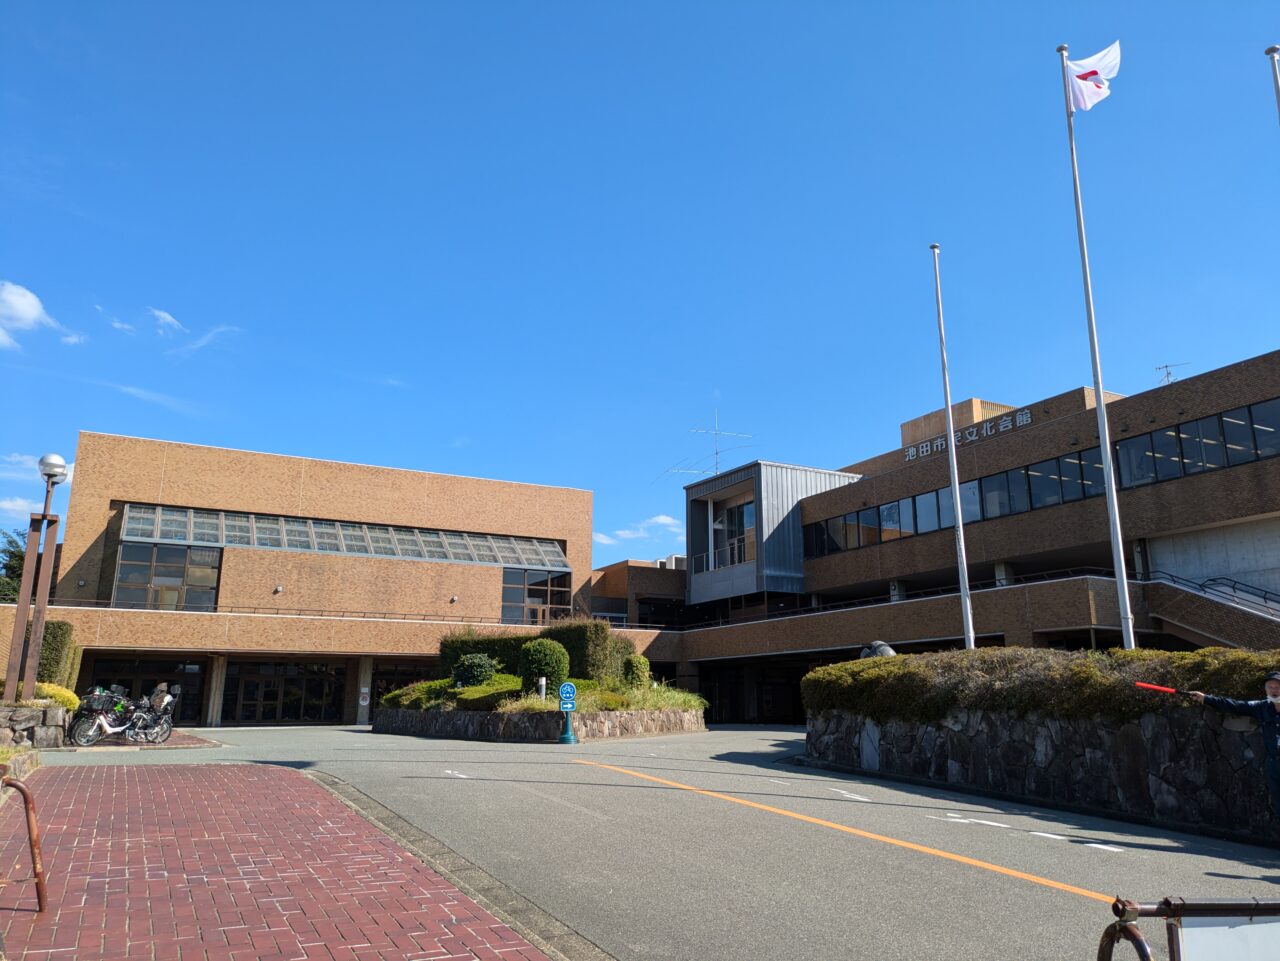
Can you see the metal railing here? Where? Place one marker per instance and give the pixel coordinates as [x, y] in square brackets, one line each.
[1223, 589]
[1173, 910]
[739, 550]
[33, 838]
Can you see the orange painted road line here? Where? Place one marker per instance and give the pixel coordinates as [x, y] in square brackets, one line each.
[919, 848]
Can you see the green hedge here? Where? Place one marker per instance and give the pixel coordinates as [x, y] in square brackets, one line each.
[57, 655]
[635, 670]
[1022, 681]
[544, 657]
[594, 650]
[505, 649]
[486, 697]
[473, 669]
[420, 694]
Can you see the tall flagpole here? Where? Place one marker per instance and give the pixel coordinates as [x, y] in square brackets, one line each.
[966, 608]
[1274, 54]
[1104, 432]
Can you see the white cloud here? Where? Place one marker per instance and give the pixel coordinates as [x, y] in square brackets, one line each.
[204, 340]
[631, 533]
[115, 321]
[19, 466]
[74, 340]
[647, 528]
[19, 507]
[20, 309]
[602, 538]
[151, 397]
[166, 321]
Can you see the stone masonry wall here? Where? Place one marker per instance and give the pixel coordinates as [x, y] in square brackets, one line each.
[533, 726]
[41, 727]
[1185, 768]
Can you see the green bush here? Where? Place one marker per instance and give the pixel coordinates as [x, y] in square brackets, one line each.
[486, 697]
[473, 669]
[1022, 681]
[584, 684]
[594, 650]
[56, 654]
[73, 670]
[418, 695]
[544, 658]
[604, 701]
[503, 648]
[68, 699]
[635, 670]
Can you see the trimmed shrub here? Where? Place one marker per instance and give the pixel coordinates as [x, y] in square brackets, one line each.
[544, 657]
[73, 671]
[635, 670]
[505, 649]
[473, 669]
[1075, 685]
[68, 699]
[486, 697]
[418, 695]
[56, 654]
[594, 650]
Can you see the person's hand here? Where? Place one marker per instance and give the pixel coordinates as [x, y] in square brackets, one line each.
[1197, 696]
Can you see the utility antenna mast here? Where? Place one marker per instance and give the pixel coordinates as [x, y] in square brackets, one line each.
[716, 433]
[1169, 377]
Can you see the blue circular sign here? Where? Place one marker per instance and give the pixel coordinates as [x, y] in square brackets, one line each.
[568, 691]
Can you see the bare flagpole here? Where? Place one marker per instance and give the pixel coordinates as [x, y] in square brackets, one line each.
[1104, 433]
[1273, 53]
[966, 608]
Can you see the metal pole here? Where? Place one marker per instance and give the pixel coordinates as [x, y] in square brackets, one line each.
[962, 563]
[1274, 54]
[41, 605]
[18, 642]
[1104, 433]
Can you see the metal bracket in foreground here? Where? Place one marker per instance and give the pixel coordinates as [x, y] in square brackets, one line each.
[33, 835]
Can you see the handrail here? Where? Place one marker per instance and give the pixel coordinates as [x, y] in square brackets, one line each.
[33, 837]
[1172, 910]
[1269, 598]
[1214, 592]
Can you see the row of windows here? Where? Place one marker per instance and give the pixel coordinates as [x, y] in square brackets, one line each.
[1235, 437]
[180, 524]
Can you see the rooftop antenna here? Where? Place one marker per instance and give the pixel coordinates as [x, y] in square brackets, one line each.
[1169, 376]
[716, 433]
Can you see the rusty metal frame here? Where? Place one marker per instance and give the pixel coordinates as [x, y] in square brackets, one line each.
[1172, 910]
[18, 643]
[33, 836]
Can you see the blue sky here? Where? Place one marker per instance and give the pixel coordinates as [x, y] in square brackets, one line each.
[541, 241]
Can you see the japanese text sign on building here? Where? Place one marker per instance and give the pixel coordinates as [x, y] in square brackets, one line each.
[967, 435]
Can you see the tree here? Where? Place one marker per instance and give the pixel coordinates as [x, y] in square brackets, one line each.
[13, 549]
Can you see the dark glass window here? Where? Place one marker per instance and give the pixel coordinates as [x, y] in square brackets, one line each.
[1237, 431]
[1046, 487]
[995, 496]
[1069, 473]
[1167, 453]
[534, 596]
[1091, 476]
[869, 527]
[889, 529]
[851, 530]
[926, 512]
[1202, 447]
[970, 502]
[946, 509]
[1266, 427]
[1019, 499]
[906, 517]
[167, 577]
[815, 540]
[1137, 464]
[834, 529]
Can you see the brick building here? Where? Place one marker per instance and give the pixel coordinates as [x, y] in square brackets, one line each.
[283, 589]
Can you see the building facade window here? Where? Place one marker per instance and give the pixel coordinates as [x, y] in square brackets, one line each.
[148, 522]
[1238, 436]
[167, 577]
[535, 596]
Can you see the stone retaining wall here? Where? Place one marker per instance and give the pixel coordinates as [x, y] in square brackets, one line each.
[1187, 767]
[532, 726]
[42, 727]
[20, 766]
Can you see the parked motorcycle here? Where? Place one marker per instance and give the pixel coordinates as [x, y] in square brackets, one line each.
[104, 712]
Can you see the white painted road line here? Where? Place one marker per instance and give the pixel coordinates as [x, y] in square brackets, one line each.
[776, 781]
[1046, 834]
[456, 774]
[994, 824]
[849, 794]
[1104, 847]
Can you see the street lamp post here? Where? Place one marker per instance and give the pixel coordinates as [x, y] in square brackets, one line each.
[24, 654]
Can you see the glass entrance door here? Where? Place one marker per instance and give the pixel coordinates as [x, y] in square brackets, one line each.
[283, 692]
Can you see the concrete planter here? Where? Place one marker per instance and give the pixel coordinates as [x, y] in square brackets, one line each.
[20, 765]
[41, 727]
[1185, 768]
[542, 726]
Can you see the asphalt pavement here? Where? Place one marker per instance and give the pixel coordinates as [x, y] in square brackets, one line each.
[712, 846]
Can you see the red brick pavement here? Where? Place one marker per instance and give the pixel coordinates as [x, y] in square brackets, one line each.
[225, 863]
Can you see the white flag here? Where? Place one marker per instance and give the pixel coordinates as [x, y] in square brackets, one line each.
[1089, 77]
